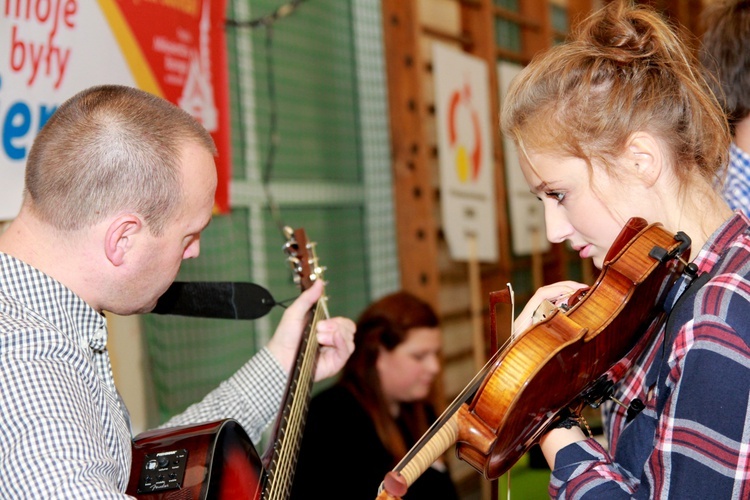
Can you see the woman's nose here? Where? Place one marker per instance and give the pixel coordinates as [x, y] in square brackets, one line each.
[433, 364]
[557, 225]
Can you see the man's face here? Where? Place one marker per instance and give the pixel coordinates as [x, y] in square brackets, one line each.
[159, 257]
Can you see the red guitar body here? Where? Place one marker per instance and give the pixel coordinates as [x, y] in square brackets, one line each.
[215, 460]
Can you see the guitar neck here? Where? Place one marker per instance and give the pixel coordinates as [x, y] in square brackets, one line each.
[287, 438]
[280, 461]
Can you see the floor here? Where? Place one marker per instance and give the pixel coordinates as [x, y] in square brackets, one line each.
[528, 481]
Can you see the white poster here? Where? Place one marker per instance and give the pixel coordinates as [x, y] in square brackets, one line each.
[467, 178]
[526, 211]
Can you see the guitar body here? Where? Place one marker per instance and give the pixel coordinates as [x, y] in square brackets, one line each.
[215, 460]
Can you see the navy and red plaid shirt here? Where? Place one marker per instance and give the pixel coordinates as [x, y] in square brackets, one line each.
[692, 441]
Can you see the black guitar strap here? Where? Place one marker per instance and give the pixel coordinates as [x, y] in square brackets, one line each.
[209, 299]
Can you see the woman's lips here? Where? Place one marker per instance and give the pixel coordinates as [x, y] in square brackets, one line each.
[585, 252]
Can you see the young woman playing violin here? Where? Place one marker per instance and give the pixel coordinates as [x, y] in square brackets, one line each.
[619, 123]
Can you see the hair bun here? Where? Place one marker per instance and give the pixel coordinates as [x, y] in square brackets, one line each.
[625, 34]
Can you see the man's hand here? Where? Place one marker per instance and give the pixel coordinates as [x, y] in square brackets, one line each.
[335, 335]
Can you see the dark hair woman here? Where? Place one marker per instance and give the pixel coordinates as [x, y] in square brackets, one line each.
[358, 429]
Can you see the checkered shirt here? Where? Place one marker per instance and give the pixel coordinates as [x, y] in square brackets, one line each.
[64, 431]
[737, 185]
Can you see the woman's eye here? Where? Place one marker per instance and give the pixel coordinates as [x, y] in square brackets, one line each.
[556, 195]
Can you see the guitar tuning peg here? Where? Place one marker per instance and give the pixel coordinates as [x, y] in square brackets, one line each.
[291, 247]
[318, 270]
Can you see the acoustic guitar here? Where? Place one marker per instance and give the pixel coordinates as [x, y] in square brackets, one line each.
[217, 460]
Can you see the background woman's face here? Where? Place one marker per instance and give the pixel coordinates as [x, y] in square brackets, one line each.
[407, 372]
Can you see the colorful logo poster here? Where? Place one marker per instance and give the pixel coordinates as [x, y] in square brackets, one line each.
[51, 49]
[467, 178]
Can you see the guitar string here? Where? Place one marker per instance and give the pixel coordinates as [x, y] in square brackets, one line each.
[290, 446]
[270, 490]
[280, 472]
[276, 470]
[300, 402]
[299, 406]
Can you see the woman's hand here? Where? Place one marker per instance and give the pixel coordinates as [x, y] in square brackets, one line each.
[555, 294]
[557, 439]
[335, 335]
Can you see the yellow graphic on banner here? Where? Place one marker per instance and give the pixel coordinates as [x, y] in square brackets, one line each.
[189, 7]
[139, 67]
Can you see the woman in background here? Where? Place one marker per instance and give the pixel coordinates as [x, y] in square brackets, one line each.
[358, 429]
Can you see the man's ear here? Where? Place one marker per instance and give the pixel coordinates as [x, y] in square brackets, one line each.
[645, 156]
[120, 237]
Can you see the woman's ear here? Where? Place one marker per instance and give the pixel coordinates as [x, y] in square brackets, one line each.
[645, 158]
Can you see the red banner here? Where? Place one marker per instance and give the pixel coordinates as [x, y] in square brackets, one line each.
[51, 49]
[184, 43]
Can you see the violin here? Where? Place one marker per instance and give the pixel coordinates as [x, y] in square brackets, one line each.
[558, 365]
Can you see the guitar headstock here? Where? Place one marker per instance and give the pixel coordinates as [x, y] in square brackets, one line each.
[302, 258]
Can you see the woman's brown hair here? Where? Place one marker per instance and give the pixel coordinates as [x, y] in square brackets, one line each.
[625, 70]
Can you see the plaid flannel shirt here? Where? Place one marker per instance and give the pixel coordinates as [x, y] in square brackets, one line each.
[691, 441]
